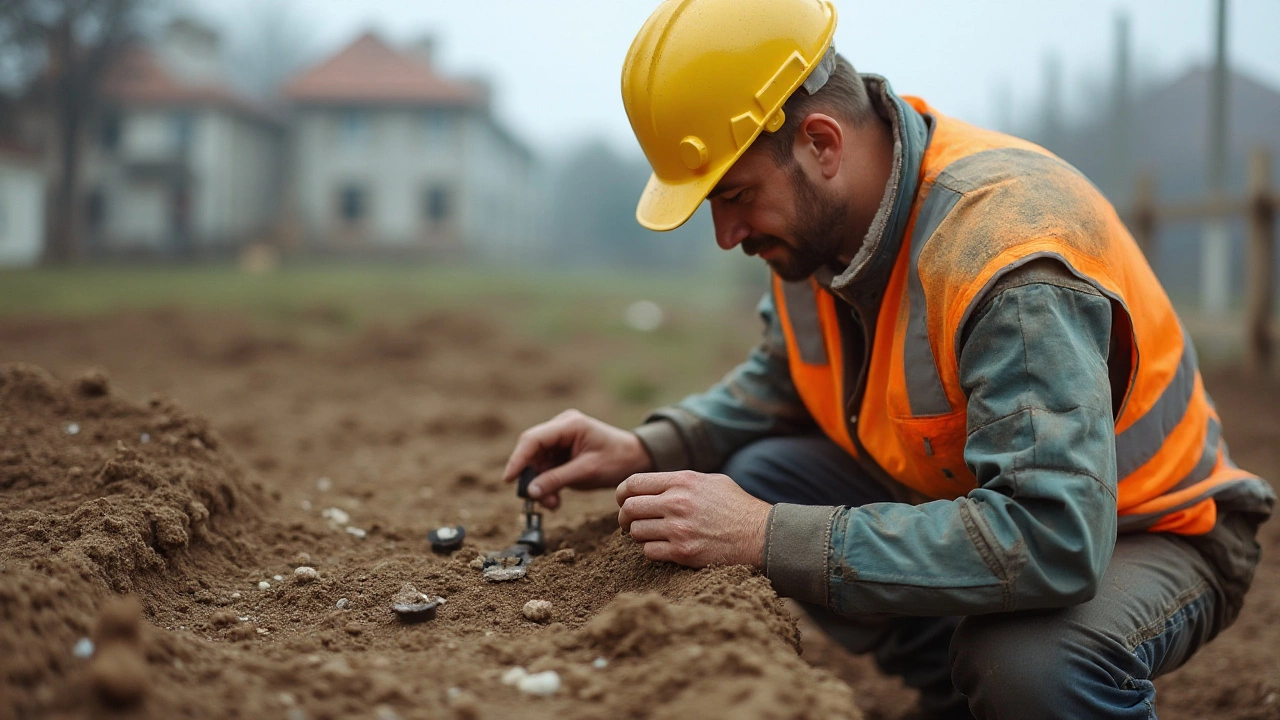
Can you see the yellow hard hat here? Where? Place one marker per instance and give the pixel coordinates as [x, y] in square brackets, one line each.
[703, 77]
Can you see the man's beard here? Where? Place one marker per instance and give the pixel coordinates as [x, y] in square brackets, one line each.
[819, 228]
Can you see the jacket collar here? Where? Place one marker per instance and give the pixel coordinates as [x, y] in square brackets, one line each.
[868, 272]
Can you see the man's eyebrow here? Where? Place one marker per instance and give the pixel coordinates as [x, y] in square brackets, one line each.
[721, 188]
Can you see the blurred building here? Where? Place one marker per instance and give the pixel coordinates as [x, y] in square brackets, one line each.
[21, 204]
[387, 155]
[179, 162]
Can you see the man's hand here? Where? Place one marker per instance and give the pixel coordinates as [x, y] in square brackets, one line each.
[693, 519]
[599, 456]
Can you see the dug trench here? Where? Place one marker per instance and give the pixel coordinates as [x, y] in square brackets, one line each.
[340, 456]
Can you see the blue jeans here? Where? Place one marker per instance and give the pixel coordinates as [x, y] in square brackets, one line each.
[1160, 600]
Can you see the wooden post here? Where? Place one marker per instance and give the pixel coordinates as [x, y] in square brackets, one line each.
[1262, 256]
[1144, 215]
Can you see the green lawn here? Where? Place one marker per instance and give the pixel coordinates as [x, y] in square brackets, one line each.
[709, 316]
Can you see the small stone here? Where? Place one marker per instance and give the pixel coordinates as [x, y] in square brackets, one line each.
[385, 712]
[305, 505]
[600, 663]
[412, 605]
[264, 585]
[564, 555]
[286, 699]
[263, 631]
[538, 611]
[305, 573]
[302, 558]
[278, 578]
[144, 438]
[83, 648]
[477, 562]
[338, 515]
[342, 603]
[235, 595]
[514, 675]
[500, 573]
[324, 484]
[447, 539]
[543, 684]
[72, 428]
[358, 532]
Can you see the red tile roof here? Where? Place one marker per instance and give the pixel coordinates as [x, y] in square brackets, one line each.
[369, 71]
[138, 77]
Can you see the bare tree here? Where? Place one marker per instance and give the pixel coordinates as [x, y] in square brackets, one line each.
[55, 51]
[268, 44]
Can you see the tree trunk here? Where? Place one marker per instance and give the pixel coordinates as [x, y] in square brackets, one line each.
[62, 240]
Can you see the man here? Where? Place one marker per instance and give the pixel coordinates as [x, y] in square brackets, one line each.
[974, 440]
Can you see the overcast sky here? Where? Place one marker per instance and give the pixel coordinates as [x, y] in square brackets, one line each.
[555, 64]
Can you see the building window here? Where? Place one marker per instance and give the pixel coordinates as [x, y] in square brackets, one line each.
[353, 127]
[438, 205]
[352, 203]
[110, 131]
[437, 127]
[183, 127]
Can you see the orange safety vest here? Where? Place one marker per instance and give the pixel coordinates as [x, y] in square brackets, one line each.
[988, 203]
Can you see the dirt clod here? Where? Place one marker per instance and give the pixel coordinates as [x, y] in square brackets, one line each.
[538, 611]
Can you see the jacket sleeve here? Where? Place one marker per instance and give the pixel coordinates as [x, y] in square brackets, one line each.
[1039, 529]
[756, 399]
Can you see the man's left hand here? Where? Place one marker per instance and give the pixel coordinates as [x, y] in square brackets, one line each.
[693, 519]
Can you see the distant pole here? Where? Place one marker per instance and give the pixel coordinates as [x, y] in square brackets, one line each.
[1051, 111]
[1261, 287]
[1118, 172]
[1215, 283]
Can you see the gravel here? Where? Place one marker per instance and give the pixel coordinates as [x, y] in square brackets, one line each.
[543, 684]
[538, 611]
[305, 573]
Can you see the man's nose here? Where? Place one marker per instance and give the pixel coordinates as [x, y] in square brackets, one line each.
[730, 232]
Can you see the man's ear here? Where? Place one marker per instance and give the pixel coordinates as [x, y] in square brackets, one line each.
[820, 143]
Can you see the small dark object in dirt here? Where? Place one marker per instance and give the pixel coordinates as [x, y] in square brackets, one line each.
[413, 606]
[447, 539]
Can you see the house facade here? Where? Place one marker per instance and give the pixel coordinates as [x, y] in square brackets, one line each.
[179, 162]
[21, 205]
[388, 156]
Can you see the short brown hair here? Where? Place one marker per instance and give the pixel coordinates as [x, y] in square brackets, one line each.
[844, 96]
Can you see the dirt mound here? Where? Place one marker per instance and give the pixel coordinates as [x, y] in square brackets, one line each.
[99, 495]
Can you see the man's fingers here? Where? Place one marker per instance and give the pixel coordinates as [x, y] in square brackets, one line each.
[660, 551]
[645, 484]
[647, 531]
[557, 432]
[640, 507]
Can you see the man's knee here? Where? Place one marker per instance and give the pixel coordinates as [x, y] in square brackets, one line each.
[1041, 664]
[757, 467]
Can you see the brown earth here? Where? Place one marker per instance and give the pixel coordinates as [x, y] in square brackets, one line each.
[107, 488]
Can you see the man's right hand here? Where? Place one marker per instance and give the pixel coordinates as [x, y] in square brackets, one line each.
[599, 456]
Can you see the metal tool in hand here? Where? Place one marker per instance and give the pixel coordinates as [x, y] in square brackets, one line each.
[512, 563]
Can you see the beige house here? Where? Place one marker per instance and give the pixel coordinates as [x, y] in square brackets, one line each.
[180, 163]
[21, 205]
[389, 156]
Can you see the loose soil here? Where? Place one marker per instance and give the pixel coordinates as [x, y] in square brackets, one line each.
[160, 505]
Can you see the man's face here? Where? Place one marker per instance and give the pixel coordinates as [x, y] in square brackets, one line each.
[778, 213]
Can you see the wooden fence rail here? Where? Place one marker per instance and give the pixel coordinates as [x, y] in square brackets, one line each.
[1259, 206]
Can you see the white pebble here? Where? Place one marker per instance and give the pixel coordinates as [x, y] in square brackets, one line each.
[286, 698]
[144, 438]
[358, 532]
[447, 533]
[343, 603]
[543, 684]
[277, 578]
[538, 611]
[306, 574]
[235, 595]
[324, 484]
[243, 619]
[514, 675]
[600, 663]
[338, 515]
[453, 693]
[305, 505]
[73, 428]
[264, 585]
[83, 648]
[385, 712]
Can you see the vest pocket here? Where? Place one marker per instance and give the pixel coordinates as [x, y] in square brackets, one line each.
[934, 450]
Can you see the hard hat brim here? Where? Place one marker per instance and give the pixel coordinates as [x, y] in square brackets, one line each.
[665, 206]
